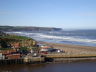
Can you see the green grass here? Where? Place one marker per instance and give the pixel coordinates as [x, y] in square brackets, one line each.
[23, 48]
[35, 48]
[5, 48]
[15, 37]
[20, 37]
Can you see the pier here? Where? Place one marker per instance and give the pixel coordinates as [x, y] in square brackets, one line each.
[47, 59]
[25, 60]
[11, 61]
[68, 58]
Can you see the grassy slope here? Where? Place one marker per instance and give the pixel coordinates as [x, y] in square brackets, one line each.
[15, 37]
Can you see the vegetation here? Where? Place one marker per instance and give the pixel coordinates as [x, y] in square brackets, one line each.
[35, 49]
[5, 48]
[22, 28]
[15, 37]
[3, 44]
[23, 48]
[24, 44]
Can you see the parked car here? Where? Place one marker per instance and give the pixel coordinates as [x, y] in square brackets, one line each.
[59, 51]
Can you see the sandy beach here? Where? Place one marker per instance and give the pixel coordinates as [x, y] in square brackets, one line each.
[73, 49]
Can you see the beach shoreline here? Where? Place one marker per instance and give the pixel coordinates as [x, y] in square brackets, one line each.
[72, 49]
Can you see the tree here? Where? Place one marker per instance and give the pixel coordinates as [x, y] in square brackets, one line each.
[3, 44]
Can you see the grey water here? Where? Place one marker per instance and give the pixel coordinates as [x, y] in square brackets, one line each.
[62, 67]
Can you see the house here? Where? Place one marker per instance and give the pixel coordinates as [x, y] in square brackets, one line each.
[6, 52]
[15, 45]
[13, 56]
[46, 49]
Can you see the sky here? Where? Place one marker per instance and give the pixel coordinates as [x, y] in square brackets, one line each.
[66, 14]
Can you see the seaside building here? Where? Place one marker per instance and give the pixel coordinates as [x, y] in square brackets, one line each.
[15, 45]
[46, 49]
[2, 56]
[13, 56]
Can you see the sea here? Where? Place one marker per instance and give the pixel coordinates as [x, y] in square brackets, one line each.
[74, 37]
[61, 67]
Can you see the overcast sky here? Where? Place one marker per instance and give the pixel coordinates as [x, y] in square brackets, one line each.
[67, 14]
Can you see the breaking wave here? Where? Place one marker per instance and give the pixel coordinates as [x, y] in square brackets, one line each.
[42, 36]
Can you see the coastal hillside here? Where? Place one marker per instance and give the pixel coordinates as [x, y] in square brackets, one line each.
[21, 41]
[24, 28]
[16, 44]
